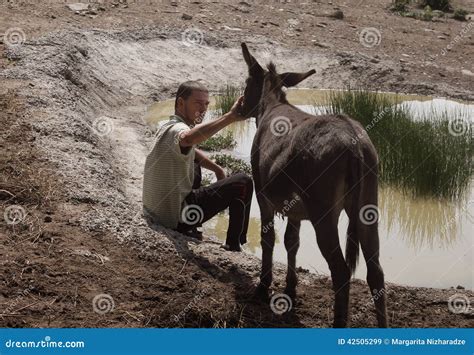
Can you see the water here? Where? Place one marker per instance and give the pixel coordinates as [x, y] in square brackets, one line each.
[423, 242]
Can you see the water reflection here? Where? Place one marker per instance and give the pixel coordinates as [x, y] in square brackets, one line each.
[422, 222]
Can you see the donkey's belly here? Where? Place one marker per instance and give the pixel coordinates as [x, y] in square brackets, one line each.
[291, 207]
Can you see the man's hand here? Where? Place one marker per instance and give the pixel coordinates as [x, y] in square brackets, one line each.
[208, 164]
[220, 173]
[235, 110]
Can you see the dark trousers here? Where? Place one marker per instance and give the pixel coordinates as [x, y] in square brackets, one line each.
[234, 192]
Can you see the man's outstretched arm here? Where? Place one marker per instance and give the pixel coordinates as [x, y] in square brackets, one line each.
[203, 131]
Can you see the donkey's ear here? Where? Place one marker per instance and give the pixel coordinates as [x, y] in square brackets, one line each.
[292, 79]
[250, 60]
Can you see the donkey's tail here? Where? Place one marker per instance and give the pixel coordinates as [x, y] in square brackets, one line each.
[352, 242]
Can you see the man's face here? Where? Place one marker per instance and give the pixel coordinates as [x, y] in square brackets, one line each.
[194, 107]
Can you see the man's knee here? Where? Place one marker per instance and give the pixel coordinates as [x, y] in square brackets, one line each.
[244, 184]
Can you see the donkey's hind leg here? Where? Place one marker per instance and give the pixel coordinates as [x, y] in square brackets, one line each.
[370, 244]
[292, 243]
[327, 237]
[267, 242]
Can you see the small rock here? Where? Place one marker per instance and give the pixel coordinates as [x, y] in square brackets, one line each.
[374, 60]
[459, 287]
[321, 44]
[230, 28]
[338, 14]
[321, 25]
[48, 219]
[78, 6]
[53, 16]
[467, 72]
[441, 37]
[186, 17]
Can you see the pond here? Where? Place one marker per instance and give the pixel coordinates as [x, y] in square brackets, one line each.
[425, 241]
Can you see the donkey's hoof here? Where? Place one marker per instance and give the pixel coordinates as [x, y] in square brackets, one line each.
[261, 294]
[290, 292]
[340, 323]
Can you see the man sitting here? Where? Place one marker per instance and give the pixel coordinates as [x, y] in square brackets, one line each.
[172, 195]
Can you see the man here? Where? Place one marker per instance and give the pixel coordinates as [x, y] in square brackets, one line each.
[172, 195]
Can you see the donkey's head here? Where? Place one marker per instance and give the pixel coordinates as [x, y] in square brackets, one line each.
[265, 86]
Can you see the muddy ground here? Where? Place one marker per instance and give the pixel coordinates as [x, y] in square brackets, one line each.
[72, 98]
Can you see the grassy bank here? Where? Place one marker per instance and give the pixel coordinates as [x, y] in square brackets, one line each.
[426, 156]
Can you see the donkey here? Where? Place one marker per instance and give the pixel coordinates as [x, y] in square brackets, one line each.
[309, 167]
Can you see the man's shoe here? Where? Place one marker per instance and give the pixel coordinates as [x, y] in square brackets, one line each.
[194, 233]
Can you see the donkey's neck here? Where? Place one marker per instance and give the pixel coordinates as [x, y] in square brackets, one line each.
[268, 103]
[266, 111]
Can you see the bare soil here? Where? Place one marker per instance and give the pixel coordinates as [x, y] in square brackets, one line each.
[80, 186]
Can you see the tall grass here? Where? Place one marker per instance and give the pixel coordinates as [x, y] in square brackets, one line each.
[226, 98]
[426, 156]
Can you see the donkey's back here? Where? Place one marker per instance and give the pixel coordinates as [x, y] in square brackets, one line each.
[296, 152]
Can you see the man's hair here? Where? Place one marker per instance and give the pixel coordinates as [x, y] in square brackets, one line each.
[186, 89]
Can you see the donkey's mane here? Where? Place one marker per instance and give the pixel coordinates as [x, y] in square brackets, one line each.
[276, 83]
[271, 68]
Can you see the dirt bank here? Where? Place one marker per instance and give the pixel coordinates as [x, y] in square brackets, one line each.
[72, 100]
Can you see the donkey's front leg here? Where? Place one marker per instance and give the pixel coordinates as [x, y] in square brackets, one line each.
[267, 242]
[292, 243]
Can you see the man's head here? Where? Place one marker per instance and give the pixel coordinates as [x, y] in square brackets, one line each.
[192, 100]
